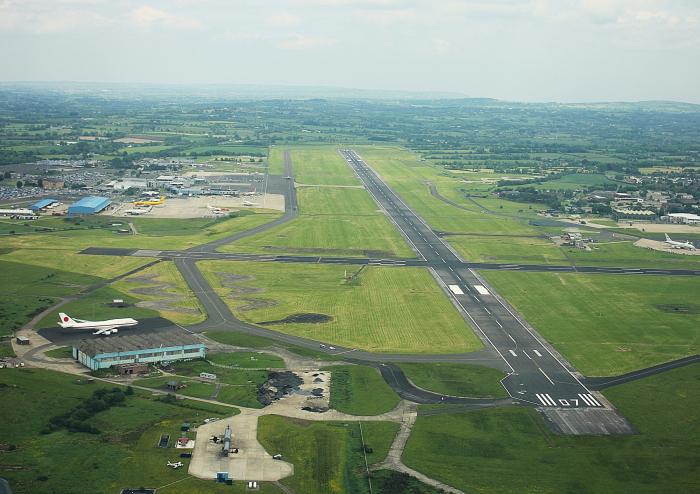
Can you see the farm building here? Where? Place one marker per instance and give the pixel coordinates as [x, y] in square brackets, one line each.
[149, 348]
[42, 204]
[88, 205]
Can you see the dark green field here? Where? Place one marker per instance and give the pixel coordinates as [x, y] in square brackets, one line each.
[511, 450]
[360, 390]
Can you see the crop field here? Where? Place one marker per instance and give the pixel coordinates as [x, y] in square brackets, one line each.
[456, 379]
[607, 324]
[162, 288]
[511, 450]
[123, 454]
[327, 456]
[384, 310]
[360, 390]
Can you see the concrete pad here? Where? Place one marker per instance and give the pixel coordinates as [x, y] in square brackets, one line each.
[251, 462]
[586, 421]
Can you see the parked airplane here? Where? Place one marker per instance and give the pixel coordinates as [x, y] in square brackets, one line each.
[251, 193]
[151, 202]
[679, 245]
[216, 209]
[175, 465]
[248, 203]
[106, 327]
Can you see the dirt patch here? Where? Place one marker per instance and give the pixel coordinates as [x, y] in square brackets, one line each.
[302, 318]
[256, 303]
[679, 308]
[278, 385]
[231, 278]
[166, 301]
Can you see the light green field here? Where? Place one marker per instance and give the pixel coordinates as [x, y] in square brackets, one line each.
[327, 456]
[387, 310]
[360, 390]
[123, 454]
[456, 379]
[346, 235]
[519, 250]
[100, 266]
[511, 450]
[408, 177]
[321, 165]
[275, 160]
[165, 291]
[607, 324]
[334, 221]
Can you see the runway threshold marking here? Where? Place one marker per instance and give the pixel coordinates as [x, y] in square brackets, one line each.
[590, 400]
[546, 400]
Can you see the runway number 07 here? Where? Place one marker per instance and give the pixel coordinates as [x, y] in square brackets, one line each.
[565, 403]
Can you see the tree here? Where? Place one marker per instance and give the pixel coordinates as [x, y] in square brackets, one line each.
[19, 184]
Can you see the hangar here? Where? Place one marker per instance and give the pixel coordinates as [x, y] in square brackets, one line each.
[39, 205]
[148, 348]
[88, 205]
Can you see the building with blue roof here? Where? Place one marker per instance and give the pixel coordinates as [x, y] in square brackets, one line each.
[88, 205]
[39, 205]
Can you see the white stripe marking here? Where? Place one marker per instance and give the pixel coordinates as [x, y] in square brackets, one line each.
[537, 353]
[545, 375]
[542, 400]
[512, 352]
[586, 400]
[482, 290]
[455, 289]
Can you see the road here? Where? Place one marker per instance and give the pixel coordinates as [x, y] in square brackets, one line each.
[537, 375]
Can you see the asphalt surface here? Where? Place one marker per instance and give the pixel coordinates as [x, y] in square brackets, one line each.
[605, 382]
[201, 255]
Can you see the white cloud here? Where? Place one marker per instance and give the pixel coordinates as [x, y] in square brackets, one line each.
[304, 42]
[283, 19]
[147, 16]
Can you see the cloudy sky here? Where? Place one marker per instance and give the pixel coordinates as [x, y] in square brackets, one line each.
[527, 50]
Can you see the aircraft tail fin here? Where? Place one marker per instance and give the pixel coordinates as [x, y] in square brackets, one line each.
[66, 321]
[668, 239]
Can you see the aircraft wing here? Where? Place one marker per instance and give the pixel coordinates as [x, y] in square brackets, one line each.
[104, 330]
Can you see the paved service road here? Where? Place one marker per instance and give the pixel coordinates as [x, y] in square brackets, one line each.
[537, 375]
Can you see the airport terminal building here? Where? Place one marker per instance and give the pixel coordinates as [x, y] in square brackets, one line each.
[150, 348]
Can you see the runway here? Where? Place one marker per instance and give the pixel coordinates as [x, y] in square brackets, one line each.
[537, 374]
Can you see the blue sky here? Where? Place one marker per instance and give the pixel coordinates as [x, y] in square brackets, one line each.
[525, 50]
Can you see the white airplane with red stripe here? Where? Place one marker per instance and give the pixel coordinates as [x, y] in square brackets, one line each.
[106, 327]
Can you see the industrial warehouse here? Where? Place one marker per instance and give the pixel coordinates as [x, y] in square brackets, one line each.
[88, 205]
[149, 348]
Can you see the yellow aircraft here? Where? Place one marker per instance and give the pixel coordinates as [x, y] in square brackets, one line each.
[151, 202]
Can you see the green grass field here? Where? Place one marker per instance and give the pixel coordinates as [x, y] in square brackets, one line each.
[607, 324]
[162, 288]
[321, 165]
[456, 379]
[327, 456]
[518, 250]
[360, 390]
[250, 341]
[511, 450]
[333, 221]
[247, 360]
[60, 352]
[385, 310]
[124, 454]
[408, 177]
[275, 160]
[26, 290]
